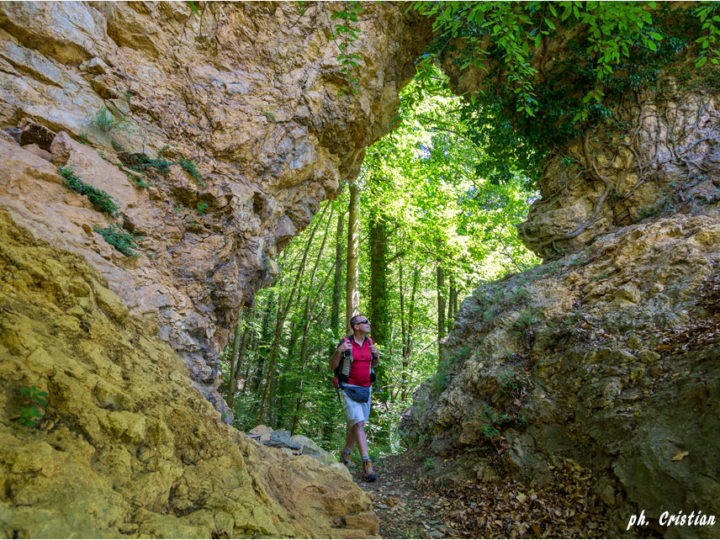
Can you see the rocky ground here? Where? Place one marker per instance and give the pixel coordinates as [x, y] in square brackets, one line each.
[419, 496]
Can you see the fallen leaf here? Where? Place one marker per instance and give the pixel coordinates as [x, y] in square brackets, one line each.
[680, 456]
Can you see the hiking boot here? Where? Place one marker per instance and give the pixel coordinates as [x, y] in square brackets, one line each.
[345, 459]
[368, 473]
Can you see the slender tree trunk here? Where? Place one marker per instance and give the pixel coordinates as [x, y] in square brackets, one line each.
[282, 315]
[403, 329]
[452, 303]
[306, 327]
[352, 296]
[239, 344]
[337, 284]
[378, 311]
[407, 349]
[282, 391]
[265, 334]
[440, 274]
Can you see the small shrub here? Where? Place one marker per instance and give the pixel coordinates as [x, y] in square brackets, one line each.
[122, 240]
[99, 198]
[140, 163]
[440, 380]
[491, 421]
[103, 120]
[36, 398]
[524, 321]
[202, 208]
[138, 180]
[117, 146]
[513, 384]
[189, 167]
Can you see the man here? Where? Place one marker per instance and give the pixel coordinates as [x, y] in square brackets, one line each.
[356, 389]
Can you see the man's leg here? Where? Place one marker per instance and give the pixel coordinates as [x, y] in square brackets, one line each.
[361, 438]
[350, 439]
[368, 473]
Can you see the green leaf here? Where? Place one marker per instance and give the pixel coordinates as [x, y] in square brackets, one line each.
[700, 62]
[193, 7]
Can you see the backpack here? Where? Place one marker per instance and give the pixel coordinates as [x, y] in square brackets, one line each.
[340, 378]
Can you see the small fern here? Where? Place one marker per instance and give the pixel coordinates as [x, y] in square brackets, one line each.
[99, 198]
[122, 240]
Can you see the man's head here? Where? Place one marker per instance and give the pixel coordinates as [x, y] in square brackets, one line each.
[359, 323]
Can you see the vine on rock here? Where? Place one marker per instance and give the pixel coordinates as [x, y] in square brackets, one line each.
[550, 71]
[345, 37]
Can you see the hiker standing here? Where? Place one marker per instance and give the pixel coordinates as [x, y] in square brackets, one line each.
[355, 383]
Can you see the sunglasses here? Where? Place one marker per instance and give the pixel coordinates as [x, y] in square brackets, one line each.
[362, 322]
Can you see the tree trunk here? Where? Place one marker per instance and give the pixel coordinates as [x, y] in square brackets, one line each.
[440, 273]
[378, 312]
[306, 326]
[239, 344]
[282, 315]
[408, 346]
[337, 284]
[352, 296]
[452, 304]
[265, 334]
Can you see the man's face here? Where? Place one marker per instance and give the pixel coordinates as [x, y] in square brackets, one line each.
[361, 323]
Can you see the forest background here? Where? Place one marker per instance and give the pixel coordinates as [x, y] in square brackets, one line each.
[432, 215]
[429, 224]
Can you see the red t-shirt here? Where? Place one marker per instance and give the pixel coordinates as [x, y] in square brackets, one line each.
[362, 360]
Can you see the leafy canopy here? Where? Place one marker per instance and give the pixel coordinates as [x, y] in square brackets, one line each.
[551, 70]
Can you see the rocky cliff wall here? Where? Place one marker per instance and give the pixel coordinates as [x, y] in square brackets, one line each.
[251, 93]
[607, 354]
[124, 446]
[243, 102]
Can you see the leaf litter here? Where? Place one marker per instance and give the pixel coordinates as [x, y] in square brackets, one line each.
[411, 504]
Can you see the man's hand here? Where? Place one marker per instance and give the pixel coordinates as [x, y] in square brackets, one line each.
[374, 350]
[344, 346]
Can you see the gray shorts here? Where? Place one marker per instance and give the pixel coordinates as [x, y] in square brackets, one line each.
[355, 412]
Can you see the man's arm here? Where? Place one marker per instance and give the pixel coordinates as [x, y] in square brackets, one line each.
[337, 355]
[375, 355]
[335, 359]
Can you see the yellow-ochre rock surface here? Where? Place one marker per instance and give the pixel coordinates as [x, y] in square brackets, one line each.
[125, 446]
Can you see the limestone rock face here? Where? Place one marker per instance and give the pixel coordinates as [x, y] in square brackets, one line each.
[124, 446]
[217, 135]
[667, 162]
[252, 93]
[607, 356]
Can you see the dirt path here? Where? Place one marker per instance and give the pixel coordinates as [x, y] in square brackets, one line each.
[413, 500]
[402, 502]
